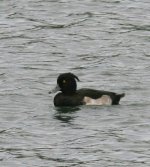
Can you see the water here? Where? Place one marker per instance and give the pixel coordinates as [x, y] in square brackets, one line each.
[106, 44]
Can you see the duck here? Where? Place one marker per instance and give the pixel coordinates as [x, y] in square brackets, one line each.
[69, 95]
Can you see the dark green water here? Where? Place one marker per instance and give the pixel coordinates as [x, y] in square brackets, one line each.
[106, 44]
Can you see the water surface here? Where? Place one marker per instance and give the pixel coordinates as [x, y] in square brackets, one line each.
[106, 44]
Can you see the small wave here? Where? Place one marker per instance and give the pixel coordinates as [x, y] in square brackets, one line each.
[59, 26]
[89, 14]
[136, 27]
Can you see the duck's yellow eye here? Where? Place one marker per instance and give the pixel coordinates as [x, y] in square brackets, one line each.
[64, 81]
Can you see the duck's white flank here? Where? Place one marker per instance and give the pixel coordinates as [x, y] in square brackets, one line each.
[104, 100]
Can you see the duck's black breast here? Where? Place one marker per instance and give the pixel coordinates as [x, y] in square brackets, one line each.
[77, 98]
[68, 100]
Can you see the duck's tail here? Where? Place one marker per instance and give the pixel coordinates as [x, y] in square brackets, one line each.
[117, 98]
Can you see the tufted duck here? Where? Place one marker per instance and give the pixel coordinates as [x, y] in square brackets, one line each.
[70, 96]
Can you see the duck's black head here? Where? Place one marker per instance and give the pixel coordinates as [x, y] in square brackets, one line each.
[67, 83]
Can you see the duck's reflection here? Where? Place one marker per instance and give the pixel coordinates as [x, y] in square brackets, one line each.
[65, 114]
[67, 109]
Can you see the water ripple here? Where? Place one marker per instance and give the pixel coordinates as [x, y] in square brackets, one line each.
[106, 44]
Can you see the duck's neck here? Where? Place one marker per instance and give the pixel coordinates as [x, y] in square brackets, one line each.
[68, 93]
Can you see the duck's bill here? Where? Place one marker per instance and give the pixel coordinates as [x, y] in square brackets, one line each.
[56, 89]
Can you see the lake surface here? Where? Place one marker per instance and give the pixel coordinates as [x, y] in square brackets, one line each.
[106, 43]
